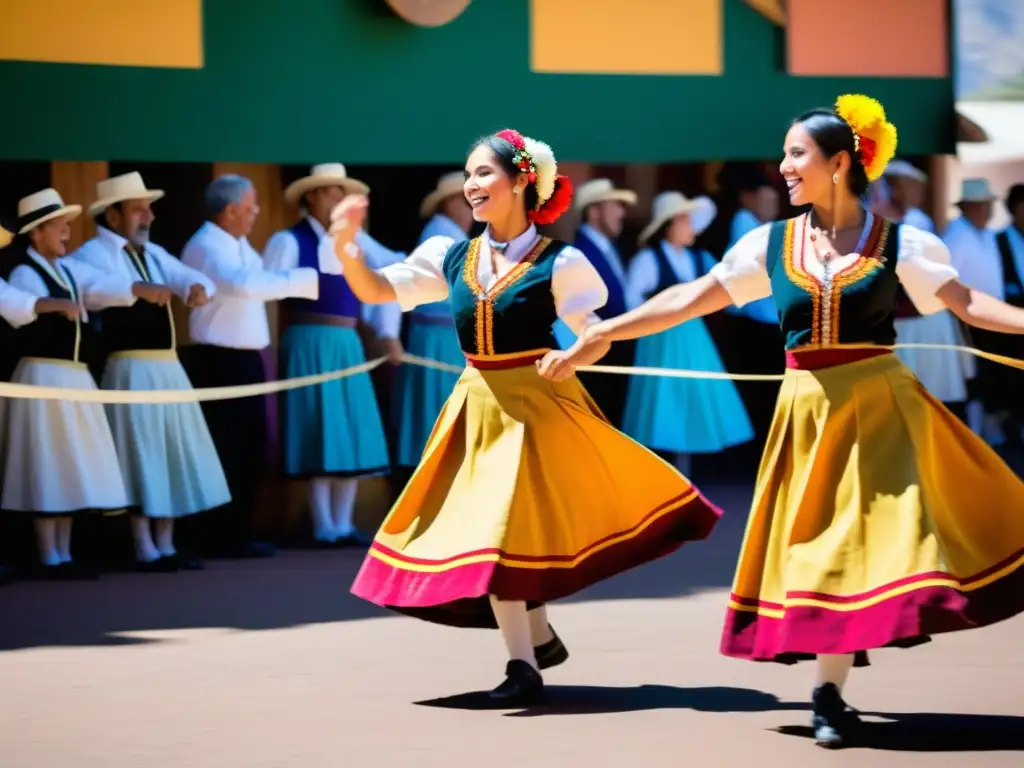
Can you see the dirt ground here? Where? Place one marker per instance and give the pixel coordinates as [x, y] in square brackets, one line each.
[268, 664]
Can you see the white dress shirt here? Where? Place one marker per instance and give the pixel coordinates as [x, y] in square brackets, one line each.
[237, 317]
[93, 289]
[576, 286]
[975, 256]
[282, 253]
[16, 306]
[922, 266]
[107, 253]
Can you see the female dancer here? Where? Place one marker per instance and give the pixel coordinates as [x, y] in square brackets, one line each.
[679, 417]
[525, 493]
[879, 518]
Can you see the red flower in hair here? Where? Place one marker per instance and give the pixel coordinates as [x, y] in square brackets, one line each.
[555, 205]
[868, 148]
[512, 137]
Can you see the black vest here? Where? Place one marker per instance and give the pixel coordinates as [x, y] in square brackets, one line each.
[140, 326]
[1013, 285]
[52, 335]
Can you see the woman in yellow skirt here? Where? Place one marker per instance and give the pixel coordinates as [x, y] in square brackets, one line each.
[525, 493]
[879, 518]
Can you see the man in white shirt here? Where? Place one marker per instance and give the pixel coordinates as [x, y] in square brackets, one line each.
[230, 334]
[905, 189]
[167, 456]
[333, 433]
[975, 256]
[602, 209]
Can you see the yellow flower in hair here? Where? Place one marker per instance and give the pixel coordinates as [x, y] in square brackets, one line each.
[874, 135]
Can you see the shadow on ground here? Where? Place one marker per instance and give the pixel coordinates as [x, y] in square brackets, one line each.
[933, 732]
[602, 700]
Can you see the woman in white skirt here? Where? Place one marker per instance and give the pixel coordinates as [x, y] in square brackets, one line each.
[59, 454]
[679, 417]
[168, 459]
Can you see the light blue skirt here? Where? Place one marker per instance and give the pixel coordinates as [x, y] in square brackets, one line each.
[421, 392]
[331, 429]
[684, 415]
[169, 462]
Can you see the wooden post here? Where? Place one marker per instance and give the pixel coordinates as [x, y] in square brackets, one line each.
[76, 183]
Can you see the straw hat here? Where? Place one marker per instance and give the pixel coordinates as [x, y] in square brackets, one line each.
[975, 191]
[40, 207]
[901, 169]
[128, 186]
[599, 191]
[668, 205]
[324, 175]
[447, 186]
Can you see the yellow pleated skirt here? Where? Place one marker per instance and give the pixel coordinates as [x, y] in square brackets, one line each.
[878, 519]
[526, 492]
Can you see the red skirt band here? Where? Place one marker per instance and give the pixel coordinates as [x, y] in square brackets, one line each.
[816, 359]
[504, 362]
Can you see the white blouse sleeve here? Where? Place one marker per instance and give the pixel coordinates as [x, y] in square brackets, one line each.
[578, 289]
[923, 266]
[641, 278]
[743, 271]
[419, 279]
[17, 307]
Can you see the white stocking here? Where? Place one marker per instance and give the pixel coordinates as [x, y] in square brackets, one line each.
[540, 630]
[64, 539]
[320, 508]
[682, 463]
[164, 529]
[343, 502]
[46, 540]
[833, 668]
[515, 629]
[145, 549]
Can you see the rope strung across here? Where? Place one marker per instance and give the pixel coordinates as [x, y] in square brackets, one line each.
[151, 396]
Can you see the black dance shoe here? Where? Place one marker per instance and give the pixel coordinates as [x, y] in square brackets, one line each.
[523, 686]
[834, 722]
[552, 653]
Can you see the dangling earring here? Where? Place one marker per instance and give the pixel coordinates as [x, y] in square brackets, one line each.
[835, 177]
[515, 190]
[835, 185]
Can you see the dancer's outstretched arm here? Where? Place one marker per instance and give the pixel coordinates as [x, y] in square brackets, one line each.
[369, 286]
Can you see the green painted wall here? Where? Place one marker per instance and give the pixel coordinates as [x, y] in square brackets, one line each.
[300, 81]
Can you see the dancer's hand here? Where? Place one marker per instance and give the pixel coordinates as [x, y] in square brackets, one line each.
[153, 293]
[556, 365]
[66, 307]
[197, 296]
[349, 215]
[394, 351]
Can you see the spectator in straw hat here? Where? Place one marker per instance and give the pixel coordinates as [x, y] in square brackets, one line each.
[168, 459]
[421, 392]
[602, 209]
[333, 433]
[907, 186]
[974, 254]
[60, 458]
[679, 417]
[18, 309]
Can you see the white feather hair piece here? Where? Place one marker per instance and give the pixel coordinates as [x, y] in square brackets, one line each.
[547, 168]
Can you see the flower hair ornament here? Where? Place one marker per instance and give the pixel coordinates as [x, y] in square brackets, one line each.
[537, 161]
[874, 137]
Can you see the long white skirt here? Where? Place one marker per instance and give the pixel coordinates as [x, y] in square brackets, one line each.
[944, 373]
[168, 459]
[59, 455]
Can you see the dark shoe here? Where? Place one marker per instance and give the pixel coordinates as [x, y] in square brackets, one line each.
[160, 565]
[78, 572]
[833, 721]
[552, 653]
[523, 686]
[355, 539]
[183, 562]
